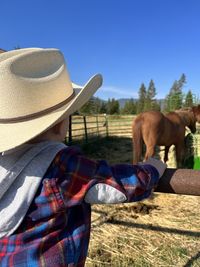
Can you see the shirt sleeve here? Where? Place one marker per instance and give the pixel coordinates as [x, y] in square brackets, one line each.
[82, 179]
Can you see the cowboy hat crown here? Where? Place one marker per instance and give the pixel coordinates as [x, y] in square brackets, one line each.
[35, 93]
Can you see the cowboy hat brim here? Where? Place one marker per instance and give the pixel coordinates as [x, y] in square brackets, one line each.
[15, 134]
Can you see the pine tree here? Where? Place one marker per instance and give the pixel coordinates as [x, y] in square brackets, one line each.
[129, 107]
[151, 92]
[113, 106]
[90, 107]
[150, 95]
[142, 98]
[181, 82]
[156, 105]
[103, 108]
[96, 106]
[174, 99]
[189, 99]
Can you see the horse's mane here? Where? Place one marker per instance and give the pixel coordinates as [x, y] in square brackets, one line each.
[186, 109]
[186, 115]
[192, 112]
[196, 110]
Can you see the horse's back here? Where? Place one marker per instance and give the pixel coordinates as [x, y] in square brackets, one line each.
[174, 117]
[157, 128]
[177, 123]
[147, 118]
[151, 125]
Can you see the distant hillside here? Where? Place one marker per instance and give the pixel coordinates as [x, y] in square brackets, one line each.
[122, 101]
[2, 50]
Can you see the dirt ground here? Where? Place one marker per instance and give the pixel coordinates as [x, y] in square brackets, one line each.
[161, 231]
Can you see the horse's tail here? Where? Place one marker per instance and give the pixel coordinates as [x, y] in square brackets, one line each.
[137, 140]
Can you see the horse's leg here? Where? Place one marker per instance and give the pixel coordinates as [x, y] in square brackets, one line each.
[150, 151]
[137, 141]
[137, 150]
[166, 153]
[139, 135]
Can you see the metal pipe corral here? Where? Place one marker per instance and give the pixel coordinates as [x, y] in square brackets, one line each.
[180, 181]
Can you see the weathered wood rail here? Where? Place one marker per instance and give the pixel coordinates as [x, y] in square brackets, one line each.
[180, 181]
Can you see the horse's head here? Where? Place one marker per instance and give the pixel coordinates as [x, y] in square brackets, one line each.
[196, 111]
[188, 118]
[192, 127]
[192, 121]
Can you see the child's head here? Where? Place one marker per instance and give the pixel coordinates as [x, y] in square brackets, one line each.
[37, 95]
[55, 133]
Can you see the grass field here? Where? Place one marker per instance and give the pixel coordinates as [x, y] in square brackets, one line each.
[161, 231]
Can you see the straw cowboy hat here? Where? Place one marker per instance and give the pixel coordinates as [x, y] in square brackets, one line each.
[36, 93]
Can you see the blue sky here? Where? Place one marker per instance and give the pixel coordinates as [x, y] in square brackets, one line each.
[127, 41]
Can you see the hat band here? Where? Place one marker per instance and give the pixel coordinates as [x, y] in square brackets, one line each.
[40, 113]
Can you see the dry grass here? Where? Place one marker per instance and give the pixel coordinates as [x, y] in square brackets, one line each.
[161, 231]
[164, 232]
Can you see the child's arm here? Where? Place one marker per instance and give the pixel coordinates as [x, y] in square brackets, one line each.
[97, 182]
[143, 179]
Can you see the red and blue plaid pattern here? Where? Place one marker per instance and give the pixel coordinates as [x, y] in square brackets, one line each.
[56, 229]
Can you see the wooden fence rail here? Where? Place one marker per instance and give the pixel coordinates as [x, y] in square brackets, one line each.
[87, 128]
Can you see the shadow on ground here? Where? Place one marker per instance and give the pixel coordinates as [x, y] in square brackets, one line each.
[113, 149]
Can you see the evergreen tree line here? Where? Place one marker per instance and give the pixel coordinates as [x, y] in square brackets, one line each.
[146, 101]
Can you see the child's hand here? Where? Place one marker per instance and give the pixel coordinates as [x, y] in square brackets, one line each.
[158, 164]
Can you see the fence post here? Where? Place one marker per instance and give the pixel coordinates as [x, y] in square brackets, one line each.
[106, 124]
[85, 127]
[97, 121]
[70, 129]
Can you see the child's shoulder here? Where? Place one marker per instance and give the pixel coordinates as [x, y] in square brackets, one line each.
[66, 153]
[71, 160]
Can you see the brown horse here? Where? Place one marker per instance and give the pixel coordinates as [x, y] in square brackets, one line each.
[155, 128]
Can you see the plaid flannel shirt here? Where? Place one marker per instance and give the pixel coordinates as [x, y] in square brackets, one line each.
[56, 228]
